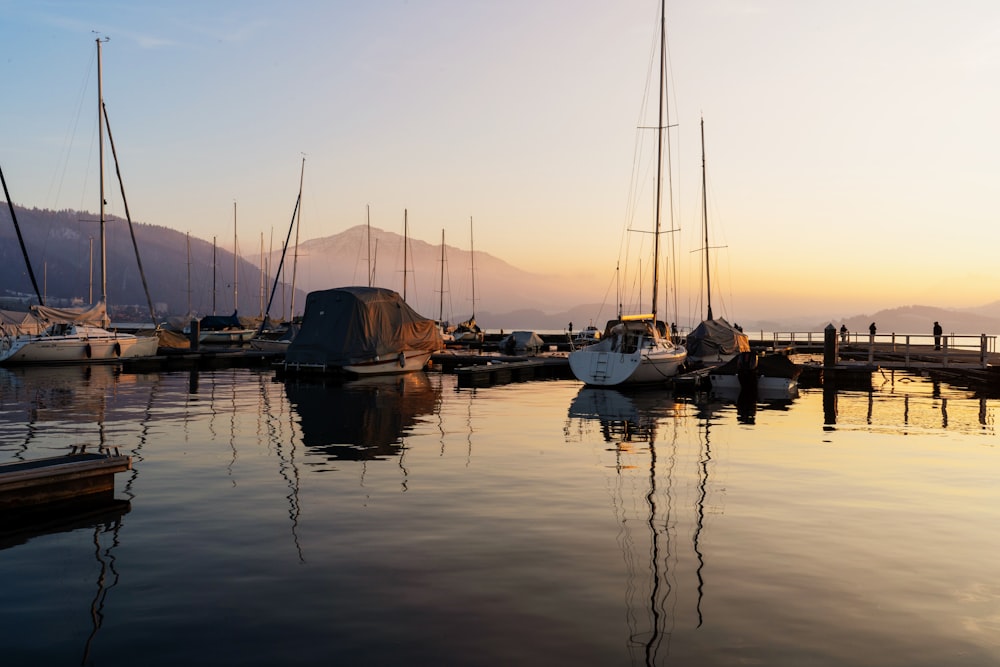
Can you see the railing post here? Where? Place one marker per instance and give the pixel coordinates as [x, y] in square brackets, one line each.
[871, 348]
[907, 350]
[944, 348]
[982, 350]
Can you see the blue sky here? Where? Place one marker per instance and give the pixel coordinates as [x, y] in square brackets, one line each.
[852, 151]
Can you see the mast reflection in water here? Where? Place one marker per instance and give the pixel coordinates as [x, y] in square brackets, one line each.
[673, 513]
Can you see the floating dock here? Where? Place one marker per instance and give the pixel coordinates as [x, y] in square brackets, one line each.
[58, 479]
[482, 371]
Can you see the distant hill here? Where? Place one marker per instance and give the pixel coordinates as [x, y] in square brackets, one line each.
[501, 290]
[59, 243]
[63, 248]
[920, 320]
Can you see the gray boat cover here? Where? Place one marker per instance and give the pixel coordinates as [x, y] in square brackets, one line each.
[716, 337]
[522, 340]
[350, 325]
[95, 315]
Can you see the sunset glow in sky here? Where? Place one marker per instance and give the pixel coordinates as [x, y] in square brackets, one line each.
[853, 157]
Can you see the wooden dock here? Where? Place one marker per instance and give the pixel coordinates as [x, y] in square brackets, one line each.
[57, 479]
[483, 371]
[962, 360]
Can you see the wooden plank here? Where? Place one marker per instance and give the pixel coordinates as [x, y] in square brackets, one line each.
[59, 478]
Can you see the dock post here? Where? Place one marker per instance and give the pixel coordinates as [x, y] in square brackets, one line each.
[195, 334]
[907, 350]
[944, 348]
[871, 349]
[831, 350]
[982, 350]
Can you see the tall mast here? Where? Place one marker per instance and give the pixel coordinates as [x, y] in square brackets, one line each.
[368, 216]
[704, 209]
[295, 254]
[659, 155]
[24, 249]
[189, 272]
[406, 237]
[100, 142]
[441, 299]
[236, 279]
[472, 255]
[214, 274]
[262, 274]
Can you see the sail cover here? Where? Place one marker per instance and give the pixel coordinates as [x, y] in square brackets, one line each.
[95, 315]
[716, 337]
[351, 325]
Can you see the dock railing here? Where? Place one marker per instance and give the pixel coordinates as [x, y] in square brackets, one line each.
[953, 347]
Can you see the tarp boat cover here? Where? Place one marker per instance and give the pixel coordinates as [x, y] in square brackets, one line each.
[716, 339]
[93, 315]
[220, 322]
[354, 325]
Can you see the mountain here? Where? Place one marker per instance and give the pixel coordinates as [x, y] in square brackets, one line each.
[920, 320]
[63, 246]
[500, 288]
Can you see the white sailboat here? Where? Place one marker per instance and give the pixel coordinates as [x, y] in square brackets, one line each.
[634, 349]
[79, 335]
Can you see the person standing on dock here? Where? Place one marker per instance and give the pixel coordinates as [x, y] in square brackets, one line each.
[937, 335]
[871, 329]
[843, 333]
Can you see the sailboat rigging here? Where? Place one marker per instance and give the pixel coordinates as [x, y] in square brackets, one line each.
[259, 341]
[79, 335]
[468, 331]
[227, 329]
[637, 349]
[714, 341]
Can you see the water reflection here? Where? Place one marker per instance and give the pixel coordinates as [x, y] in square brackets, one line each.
[103, 516]
[361, 420]
[669, 499]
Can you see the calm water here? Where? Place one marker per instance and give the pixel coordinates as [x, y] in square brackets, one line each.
[409, 521]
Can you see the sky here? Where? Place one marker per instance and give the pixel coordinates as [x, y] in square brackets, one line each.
[852, 156]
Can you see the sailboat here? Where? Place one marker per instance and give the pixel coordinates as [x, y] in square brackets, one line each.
[277, 341]
[79, 335]
[468, 331]
[227, 329]
[714, 341]
[636, 349]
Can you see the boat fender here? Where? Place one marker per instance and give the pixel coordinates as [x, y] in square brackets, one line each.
[87, 350]
[402, 359]
[118, 349]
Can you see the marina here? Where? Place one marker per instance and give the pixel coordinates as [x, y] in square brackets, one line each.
[355, 482]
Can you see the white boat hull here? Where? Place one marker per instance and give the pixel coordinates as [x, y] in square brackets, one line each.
[601, 366]
[227, 337]
[95, 346]
[728, 382]
[409, 361]
[405, 362]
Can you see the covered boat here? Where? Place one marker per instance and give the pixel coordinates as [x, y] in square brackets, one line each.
[714, 342]
[361, 331]
[521, 341]
[224, 329]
